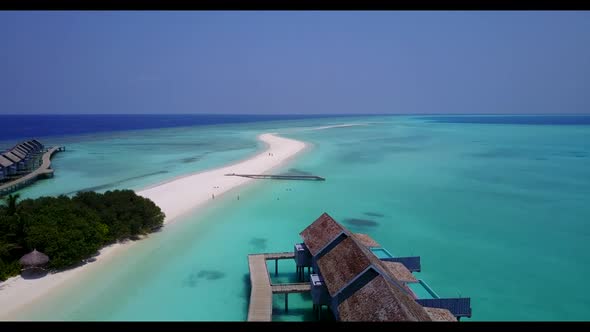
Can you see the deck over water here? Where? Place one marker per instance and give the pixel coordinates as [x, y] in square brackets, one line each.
[279, 255]
[260, 309]
[291, 288]
[279, 177]
[44, 169]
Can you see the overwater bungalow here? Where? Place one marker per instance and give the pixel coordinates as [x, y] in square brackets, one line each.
[26, 159]
[18, 153]
[37, 144]
[25, 155]
[24, 163]
[21, 149]
[356, 278]
[7, 167]
[31, 155]
[29, 146]
[19, 162]
[349, 267]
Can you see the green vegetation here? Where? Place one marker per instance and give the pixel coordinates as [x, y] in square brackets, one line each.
[69, 230]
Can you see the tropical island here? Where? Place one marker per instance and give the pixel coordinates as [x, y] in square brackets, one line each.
[70, 230]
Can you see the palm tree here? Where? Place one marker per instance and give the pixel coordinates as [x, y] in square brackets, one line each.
[11, 204]
[12, 226]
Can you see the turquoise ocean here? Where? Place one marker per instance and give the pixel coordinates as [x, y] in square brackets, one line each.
[497, 210]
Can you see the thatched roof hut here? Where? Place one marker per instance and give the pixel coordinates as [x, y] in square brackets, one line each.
[399, 271]
[440, 315]
[37, 143]
[349, 258]
[366, 240]
[18, 153]
[378, 300]
[5, 162]
[24, 147]
[34, 258]
[341, 264]
[21, 149]
[321, 232]
[382, 298]
[31, 146]
[11, 156]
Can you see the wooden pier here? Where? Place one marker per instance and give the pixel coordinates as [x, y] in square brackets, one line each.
[299, 287]
[42, 171]
[260, 308]
[278, 256]
[280, 177]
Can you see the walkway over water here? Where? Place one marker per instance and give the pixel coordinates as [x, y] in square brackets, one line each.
[43, 171]
[300, 287]
[260, 308]
[280, 177]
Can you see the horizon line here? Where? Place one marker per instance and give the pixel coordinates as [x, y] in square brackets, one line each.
[294, 114]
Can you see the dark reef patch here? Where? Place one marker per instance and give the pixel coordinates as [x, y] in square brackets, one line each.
[498, 153]
[190, 159]
[193, 278]
[578, 154]
[258, 243]
[210, 274]
[358, 222]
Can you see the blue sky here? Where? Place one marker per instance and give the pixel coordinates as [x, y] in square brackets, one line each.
[294, 62]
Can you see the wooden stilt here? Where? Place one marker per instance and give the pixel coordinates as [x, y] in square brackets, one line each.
[276, 267]
[286, 302]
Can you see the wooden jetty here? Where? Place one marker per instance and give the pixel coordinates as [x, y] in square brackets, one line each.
[42, 171]
[278, 256]
[260, 308]
[280, 177]
[298, 287]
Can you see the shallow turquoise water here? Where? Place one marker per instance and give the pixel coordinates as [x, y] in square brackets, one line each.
[420, 290]
[497, 212]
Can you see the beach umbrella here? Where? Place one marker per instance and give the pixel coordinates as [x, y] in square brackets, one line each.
[34, 258]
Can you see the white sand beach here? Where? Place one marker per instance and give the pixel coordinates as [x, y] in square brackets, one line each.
[176, 198]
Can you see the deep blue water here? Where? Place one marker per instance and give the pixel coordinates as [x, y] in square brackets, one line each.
[31, 126]
[514, 119]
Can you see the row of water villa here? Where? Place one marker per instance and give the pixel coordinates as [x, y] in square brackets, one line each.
[24, 163]
[354, 277]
